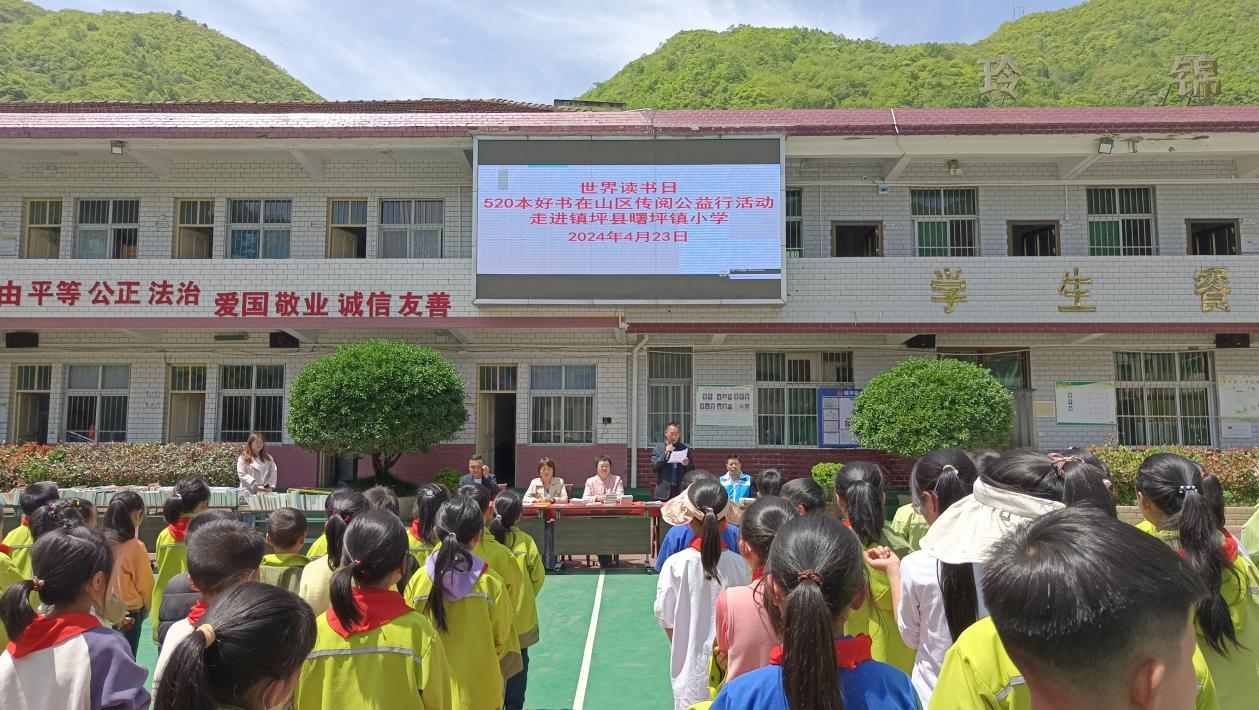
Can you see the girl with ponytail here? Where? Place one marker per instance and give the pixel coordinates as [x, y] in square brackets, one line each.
[467, 603]
[189, 497]
[371, 643]
[860, 497]
[428, 499]
[506, 508]
[133, 575]
[93, 665]
[246, 652]
[1176, 499]
[342, 507]
[813, 579]
[686, 593]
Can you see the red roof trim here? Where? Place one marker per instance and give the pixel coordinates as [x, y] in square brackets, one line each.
[256, 324]
[263, 107]
[223, 123]
[1023, 328]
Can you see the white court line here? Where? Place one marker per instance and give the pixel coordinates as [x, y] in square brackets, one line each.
[579, 698]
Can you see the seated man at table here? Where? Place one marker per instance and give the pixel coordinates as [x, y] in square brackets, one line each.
[479, 475]
[681, 535]
[738, 484]
[598, 487]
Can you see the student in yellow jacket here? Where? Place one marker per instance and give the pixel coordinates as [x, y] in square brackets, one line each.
[372, 650]
[1177, 499]
[507, 509]
[428, 499]
[909, 525]
[9, 574]
[191, 496]
[502, 562]
[286, 534]
[469, 606]
[20, 540]
[1097, 614]
[859, 495]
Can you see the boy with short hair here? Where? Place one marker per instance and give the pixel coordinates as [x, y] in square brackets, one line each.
[1087, 613]
[221, 554]
[383, 498]
[286, 534]
[20, 539]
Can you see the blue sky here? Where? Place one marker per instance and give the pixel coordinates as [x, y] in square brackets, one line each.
[531, 50]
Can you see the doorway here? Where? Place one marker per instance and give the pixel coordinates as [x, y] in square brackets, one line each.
[496, 420]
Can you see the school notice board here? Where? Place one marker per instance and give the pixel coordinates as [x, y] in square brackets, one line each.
[834, 423]
[1085, 402]
[724, 405]
[1239, 397]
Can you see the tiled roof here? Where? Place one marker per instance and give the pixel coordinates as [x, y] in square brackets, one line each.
[405, 106]
[323, 123]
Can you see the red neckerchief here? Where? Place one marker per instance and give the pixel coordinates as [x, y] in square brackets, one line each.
[196, 612]
[758, 573]
[698, 542]
[849, 652]
[48, 631]
[847, 523]
[179, 529]
[415, 530]
[376, 607]
[26, 521]
[5, 548]
[1230, 547]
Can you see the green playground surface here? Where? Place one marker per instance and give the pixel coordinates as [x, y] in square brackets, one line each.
[625, 663]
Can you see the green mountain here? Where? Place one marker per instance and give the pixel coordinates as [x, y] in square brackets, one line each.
[80, 56]
[1102, 52]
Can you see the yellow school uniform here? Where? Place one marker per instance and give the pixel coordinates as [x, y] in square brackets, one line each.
[978, 673]
[877, 617]
[529, 560]
[377, 667]
[1146, 526]
[172, 560]
[418, 548]
[1250, 536]
[909, 524]
[283, 570]
[503, 563]
[478, 629]
[1237, 674]
[20, 540]
[319, 547]
[9, 574]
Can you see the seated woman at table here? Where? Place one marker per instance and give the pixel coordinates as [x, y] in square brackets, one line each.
[547, 486]
[603, 483]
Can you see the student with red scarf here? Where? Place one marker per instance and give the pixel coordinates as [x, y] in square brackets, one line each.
[190, 496]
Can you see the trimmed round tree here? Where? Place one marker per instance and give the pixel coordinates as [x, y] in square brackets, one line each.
[378, 397]
[922, 405]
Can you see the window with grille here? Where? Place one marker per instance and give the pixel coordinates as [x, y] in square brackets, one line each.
[1213, 237]
[945, 221]
[411, 229]
[562, 404]
[194, 229]
[1121, 221]
[96, 402]
[31, 395]
[1165, 398]
[259, 229]
[108, 229]
[347, 229]
[669, 391]
[795, 224]
[1034, 239]
[251, 400]
[43, 229]
[786, 394]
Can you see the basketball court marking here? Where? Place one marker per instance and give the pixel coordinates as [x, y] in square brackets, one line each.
[579, 699]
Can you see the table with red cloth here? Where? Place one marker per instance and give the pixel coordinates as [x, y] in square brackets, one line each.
[596, 528]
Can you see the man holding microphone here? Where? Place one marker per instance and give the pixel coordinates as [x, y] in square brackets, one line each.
[670, 460]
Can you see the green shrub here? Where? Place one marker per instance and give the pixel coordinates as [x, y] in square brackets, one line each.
[824, 474]
[922, 405]
[1236, 469]
[448, 477]
[122, 464]
[379, 398]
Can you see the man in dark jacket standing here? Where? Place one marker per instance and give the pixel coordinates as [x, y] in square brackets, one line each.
[669, 475]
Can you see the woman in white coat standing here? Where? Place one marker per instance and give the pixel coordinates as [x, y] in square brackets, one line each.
[255, 468]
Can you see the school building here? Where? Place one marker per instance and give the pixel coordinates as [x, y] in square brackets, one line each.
[166, 271]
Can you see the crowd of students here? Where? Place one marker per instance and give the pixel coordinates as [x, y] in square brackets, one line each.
[438, 613]
[1007, 582]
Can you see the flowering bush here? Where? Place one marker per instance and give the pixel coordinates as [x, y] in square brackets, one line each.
[1236, 469]
[139, 464]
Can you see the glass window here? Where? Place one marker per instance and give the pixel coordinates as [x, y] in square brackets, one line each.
[259, 229]
[1165, 398]
[43, 229]
[108, 229]
[786, 393]
[669, 391]
[411, 229]
[96, 403]
[795, 223]
[945, 222]
[251, 400]
[561, 404]
[1121, 221]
